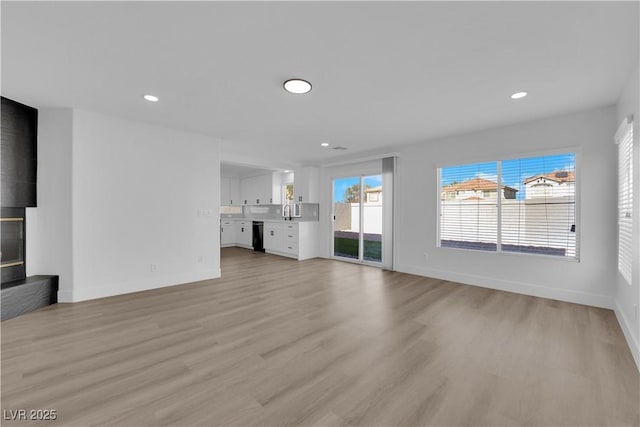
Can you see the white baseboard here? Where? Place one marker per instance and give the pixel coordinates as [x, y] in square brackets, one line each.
[634, 346]
[65, 296]
[576, 297]
[284, 254]
[236, 245]
[136, 286]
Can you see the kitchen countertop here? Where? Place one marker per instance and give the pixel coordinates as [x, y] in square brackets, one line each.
[281, 220]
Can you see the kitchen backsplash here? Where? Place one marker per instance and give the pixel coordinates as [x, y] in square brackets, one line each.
[308, 212]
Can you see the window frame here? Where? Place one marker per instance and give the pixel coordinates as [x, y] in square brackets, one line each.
[283, 193]
[576, 151]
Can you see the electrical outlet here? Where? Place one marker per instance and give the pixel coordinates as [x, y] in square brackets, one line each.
[200, 259]
[154, 267]
[205, 212]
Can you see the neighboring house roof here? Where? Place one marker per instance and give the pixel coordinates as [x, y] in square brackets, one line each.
[474, 198]
[557, 176]
[475, 184]
[377, 189]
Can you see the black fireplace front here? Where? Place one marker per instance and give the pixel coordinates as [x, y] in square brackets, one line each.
[12, 232]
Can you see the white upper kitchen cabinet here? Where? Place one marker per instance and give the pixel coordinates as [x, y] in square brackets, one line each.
[224, 192]
[276, 188]
[305, 185]
[248, 191]
[257, 190]
[234, 191]
[229, 191]
[265, 189]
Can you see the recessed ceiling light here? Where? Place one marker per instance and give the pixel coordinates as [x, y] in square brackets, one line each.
[297, 86]
[287, 171]
[325, 144]
[151, 98]
[518, 95]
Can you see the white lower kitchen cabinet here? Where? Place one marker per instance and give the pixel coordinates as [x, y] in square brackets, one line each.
[292, 239]
[244, 234]
[227, 232]
[272, 237]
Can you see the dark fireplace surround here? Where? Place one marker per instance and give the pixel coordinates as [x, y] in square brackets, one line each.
[12, 252]
[19, 137]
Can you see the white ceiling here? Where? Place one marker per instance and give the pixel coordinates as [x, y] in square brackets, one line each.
[383, 73]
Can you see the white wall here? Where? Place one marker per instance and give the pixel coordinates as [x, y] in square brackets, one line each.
[140, 195]
[49, 226]
[627, 297]
[589, 281]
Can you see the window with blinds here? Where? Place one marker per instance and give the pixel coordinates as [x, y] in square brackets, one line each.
[468, 207]
[525, 205]
[624, 139]
[542, 218]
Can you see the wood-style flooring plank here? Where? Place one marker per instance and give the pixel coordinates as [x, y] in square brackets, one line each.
[277, 342]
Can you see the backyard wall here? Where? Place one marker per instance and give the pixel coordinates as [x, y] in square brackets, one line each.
[372, 221]
[524, 223]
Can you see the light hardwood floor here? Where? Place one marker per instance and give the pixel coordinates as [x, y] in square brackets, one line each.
[319, 342]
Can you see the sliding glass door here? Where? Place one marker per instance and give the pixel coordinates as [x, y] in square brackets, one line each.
[357, 218]
[346, 218]
[371, 208]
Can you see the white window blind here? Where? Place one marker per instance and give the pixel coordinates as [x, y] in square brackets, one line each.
[624, 139]
[532, 210]
[468, 207]
[541, 219]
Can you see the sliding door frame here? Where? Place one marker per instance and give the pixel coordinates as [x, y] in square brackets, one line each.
[361, 195]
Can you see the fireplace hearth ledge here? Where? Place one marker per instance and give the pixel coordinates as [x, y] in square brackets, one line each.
[26, 295]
